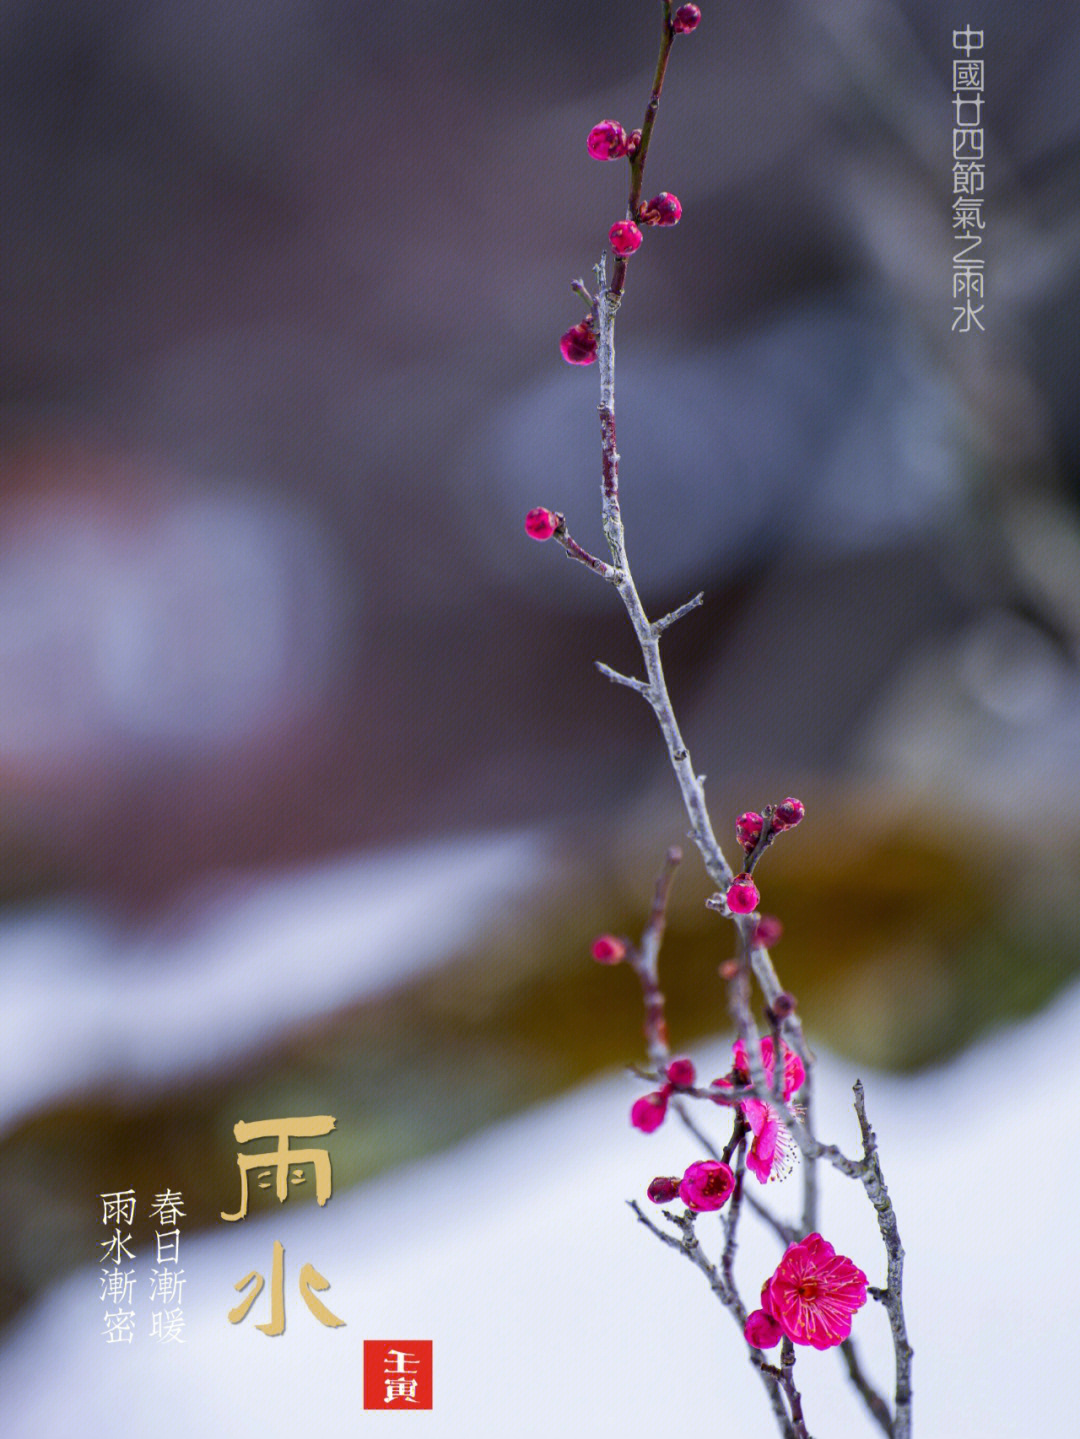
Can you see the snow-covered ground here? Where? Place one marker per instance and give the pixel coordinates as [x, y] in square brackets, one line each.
[360, 923]
[553, 1312]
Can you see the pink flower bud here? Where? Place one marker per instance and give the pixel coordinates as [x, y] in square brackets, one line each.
[607, 949]
[685, 19]
[768, 931]
[662, 209]
[648, 1112]
[707, 1185]
[633, 140]
[729, 969]
[662, 1190]
[748, 829]
[762, 1331]
[681, 1072]
[578, 345]
[783, 1005]
[788, 814]
[607, 141]
[742, 895]
[541, 524]
[625, 237]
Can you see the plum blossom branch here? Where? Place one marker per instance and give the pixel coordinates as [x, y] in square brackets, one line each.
[655, 690]
[787, 1379]
[690, 1248]
[575, 552]
[874, 1183]
[814, 1292]
[645, 961]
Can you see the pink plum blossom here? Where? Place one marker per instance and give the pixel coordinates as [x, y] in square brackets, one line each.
[794, 1070]
[814, 1293]
[772, 1152]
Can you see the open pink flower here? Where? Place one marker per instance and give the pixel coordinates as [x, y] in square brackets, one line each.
[773, 1150]
[794, 1070]
[814, 1293]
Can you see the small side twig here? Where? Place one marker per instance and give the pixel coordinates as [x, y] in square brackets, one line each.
[620, 679]
[892, 1298]
[574, 551]
[659, 626]
[787, 1379]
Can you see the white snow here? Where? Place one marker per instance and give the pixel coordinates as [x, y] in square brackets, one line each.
[553, 1312]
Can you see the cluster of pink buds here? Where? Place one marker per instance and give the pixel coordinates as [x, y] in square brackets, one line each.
[648, 1112]
[708, 1184]
[610, 141]
[742, 895]
[785, 815]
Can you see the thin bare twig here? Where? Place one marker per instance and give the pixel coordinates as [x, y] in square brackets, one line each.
[874, 1183]
[574, 551]
[620, 679]
[659, 626]
[645, 961]
[688, 1246]
[787, 1379]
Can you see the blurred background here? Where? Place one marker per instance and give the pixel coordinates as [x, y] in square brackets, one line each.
[311, 800]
